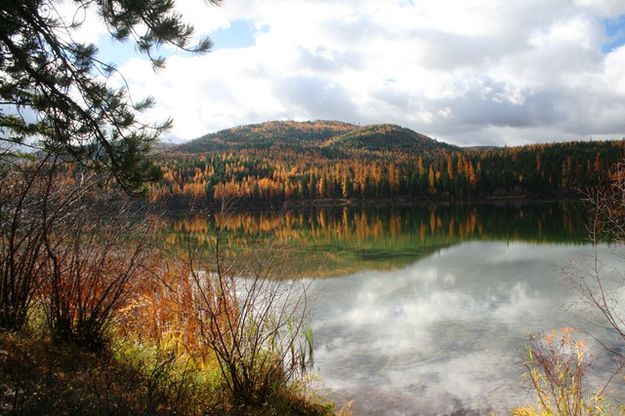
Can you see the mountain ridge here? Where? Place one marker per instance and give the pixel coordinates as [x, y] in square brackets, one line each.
[329, 135]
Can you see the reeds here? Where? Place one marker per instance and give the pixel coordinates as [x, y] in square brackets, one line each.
[557, 364]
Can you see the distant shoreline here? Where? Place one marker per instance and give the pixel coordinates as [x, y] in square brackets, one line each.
[176, 207]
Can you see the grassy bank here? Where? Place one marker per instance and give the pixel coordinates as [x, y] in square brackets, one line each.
[39, 376]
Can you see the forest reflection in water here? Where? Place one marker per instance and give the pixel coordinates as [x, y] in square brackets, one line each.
[335, 240]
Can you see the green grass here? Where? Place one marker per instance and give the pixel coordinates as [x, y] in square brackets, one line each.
[42, 377]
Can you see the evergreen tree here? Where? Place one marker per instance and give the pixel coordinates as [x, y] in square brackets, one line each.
[56, 93]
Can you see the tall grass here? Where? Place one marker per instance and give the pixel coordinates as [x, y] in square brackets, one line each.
[557, 364]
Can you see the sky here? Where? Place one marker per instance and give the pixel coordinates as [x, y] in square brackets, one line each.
[469, 72]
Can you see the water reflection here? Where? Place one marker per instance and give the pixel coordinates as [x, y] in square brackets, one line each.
[430, 305]
[351, 238]
[443, 334]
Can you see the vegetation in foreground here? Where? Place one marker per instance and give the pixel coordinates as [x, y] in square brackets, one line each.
[557, 364]
[95, 317]
[41, 376]
[98, 318]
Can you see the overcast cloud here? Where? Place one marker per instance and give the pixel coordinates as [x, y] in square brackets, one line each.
[465, 71]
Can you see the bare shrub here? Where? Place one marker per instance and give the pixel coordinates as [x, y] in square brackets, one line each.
[96, 246]
[235, 305]
[22, 191]
[251, 313]
[557, 363]
[599, 287]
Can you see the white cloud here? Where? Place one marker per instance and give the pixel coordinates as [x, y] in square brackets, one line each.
[91, 28]
[469, 72]
[603, 8]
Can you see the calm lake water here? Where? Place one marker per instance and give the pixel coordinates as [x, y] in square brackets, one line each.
[425, 310]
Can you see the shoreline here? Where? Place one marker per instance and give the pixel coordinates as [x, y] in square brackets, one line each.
[198, 207]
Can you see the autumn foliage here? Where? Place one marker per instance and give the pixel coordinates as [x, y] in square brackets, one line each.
[276, 163]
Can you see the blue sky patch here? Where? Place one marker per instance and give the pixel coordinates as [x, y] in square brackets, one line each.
[615, 29]
[111, 50]
[240, 34]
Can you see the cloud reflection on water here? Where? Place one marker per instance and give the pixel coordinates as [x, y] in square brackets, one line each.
[444, 333]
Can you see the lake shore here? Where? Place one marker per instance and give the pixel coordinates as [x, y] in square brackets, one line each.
[175, 209]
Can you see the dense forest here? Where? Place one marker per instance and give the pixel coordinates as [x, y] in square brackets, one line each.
[280, 161]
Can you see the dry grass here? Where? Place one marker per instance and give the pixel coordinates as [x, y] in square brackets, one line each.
[557, 364]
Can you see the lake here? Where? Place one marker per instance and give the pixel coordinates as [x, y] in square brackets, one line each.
[425, 310]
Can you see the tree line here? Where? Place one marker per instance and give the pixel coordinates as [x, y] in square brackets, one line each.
[284, 173]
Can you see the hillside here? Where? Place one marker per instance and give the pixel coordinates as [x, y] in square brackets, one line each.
[385, 137]
[334, 137]
[265, 135]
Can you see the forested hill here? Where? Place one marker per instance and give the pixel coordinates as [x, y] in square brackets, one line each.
[333, 136]
[385, 137]
[265, 135]
[304, 161]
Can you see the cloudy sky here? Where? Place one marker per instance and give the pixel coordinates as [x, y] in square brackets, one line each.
[465, 71]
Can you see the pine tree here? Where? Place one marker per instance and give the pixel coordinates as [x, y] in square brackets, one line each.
[56, 91]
